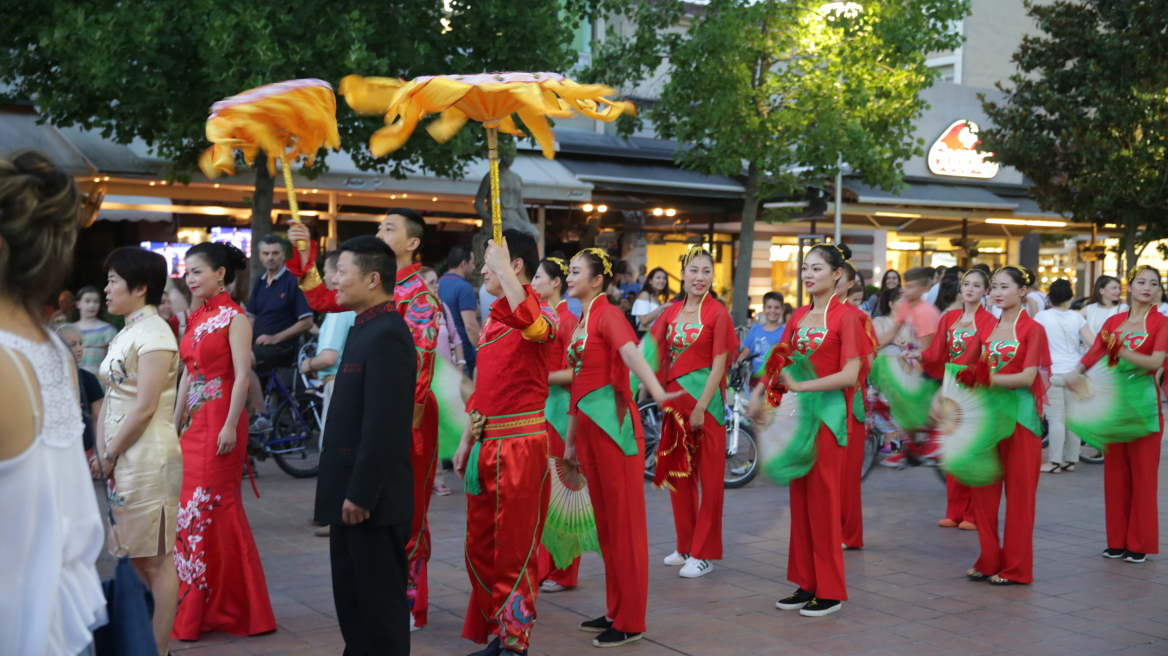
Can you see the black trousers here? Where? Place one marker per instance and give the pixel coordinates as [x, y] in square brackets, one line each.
[369, 588]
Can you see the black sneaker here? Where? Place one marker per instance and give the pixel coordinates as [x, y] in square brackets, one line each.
[1114, 553]
[493, 649]
[1134, 557]
[598, 625]
[795, 601]
[613, 638]
[820, 607]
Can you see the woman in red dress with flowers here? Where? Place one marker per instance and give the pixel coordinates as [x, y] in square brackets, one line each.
[694, 338]
[221, 580]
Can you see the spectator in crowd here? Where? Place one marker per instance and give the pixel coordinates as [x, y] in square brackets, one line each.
[95, 333]
[891, 280]
[180, 305]
[949, 290]
[137, 445]
[66, 309]
[1103, 305]
[652, 299]
[626, 307]
[449, 343]
[52, 596]
[330, 346]
[165, 309]
[913, 311]
[626, 277]
[458, 294]
[934, 285]
[763, 336]
[1064, 336]
[856, 294]
[279, 315]
[88, 386]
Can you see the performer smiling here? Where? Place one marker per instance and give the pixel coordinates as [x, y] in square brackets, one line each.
[827, 345]
[1134, 342]
[403, 229]
[605, 425]
[503, 456]
[695, 337]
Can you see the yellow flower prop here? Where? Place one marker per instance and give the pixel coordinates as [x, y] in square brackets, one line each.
[489, 98]
[287, 120]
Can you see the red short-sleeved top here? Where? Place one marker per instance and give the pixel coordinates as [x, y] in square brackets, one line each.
[1028, 349]
[568, 323]
[690, 346]
[952, 344]
[1153, 338]
[831, 346]
[594, 354]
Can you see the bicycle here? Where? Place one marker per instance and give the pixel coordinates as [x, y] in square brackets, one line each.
[741, 444]
[293, 440]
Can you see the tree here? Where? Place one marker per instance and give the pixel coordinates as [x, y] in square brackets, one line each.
[785, 88]
[151, 70]
[1085, 116]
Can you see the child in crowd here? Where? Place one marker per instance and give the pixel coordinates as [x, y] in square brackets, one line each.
[89, 389]
[856, 295]
[761, 337]
[95, 333]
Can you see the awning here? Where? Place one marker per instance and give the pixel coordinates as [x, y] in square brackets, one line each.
[134, 208]
[652, 177]
[932, 195]
[73, 150]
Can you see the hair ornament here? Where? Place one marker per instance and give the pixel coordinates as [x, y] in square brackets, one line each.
[1140, 268]
[692, 253]
[599, 252]
[964, 275]
[838, 250]
[1027, 276]
[560, 263]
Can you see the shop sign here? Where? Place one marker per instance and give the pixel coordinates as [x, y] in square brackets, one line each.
[955, 153]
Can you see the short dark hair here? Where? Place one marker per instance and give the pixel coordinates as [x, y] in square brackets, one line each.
[459, 253]
[272, 238]
[523, 247]
[220, 256]
[918, 273]
[332, 256]
[620, 267]
[371, 254]
[772, 296]
[1060, 291]
[139, 268]
[415, 224]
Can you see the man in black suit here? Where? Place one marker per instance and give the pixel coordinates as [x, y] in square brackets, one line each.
[364, 490]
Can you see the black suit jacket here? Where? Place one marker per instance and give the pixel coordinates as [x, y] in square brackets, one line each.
[368, 434]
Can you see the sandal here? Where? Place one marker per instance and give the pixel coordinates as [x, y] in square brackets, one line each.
[1050, 468]
[975, 575]
[997, 580]
[551, 586]
[1068, 466]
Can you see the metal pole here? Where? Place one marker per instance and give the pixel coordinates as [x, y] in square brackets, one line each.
[839, 195]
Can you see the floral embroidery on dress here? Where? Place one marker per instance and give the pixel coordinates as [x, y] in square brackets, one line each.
[681, 336]
[188, 554]
[576, 353]
[221, 320]
[199, 392]
[1001, 352]
[517, 619]
[957, 341]
[1133, 340]
[111, 493]
[809, 340]
[116, 374]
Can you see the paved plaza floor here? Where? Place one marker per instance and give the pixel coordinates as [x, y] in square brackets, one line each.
[909, 594]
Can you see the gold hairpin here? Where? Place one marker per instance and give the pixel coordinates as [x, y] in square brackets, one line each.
[1027, 276]
[562, 264]
[692, 253]
[1138, 269]
[598, 252]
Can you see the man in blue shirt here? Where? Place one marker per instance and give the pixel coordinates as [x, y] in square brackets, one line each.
[762, 337]
[459, 296]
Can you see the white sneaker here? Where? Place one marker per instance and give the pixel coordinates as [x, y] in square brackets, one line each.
[695, 567]
[675, 559]
[412, 626]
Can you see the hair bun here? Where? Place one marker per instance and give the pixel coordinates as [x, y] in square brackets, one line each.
[235, 257]
[845, 250]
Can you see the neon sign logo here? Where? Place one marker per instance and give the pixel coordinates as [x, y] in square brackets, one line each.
[955, 153]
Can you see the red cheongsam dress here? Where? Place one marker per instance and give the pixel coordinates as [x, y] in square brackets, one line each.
[687, 461]
[611, 449]
[959, 507]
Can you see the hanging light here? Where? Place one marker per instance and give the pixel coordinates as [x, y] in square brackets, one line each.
[587, 207]
[602, 208]
[670, 212]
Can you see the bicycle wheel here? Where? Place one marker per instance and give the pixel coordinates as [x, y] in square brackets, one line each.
[1088, 453]
[742, 466]
[651, 423]
[295, 440]
[871, 451]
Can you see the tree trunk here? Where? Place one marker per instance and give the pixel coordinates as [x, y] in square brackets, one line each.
[746, 248]
[1129, 247]
[261, 212]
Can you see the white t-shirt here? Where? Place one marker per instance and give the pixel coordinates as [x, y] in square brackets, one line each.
[641, 307]
[1062, 336]
[1097, 315]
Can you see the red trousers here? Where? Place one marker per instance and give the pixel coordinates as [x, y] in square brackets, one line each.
[1013, 557]
[504, 523]
[616, 486]
[424, 458]
[699, 523]
[1129, 488]
[960, 501]
[851, 504]
[547, 568]
[816, 560]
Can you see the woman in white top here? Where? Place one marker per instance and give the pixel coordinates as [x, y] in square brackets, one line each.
[1103, 305]
[652, 300]
[1064, 335]
[51, 599]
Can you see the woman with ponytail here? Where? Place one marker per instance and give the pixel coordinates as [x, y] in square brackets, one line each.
[604, 427]
[221, 579]
[1013, 359]
[694, 338]
[820, 357]
[1134, 343]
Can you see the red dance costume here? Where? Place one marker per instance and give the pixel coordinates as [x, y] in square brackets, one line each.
[504, 521]
[423, 312]
[1012, 557]
[221, 580]
[959, 507]
[567, 325]
[1131, 469]
[687, 462]
[611, 449]
[851, 501]
[816, 561]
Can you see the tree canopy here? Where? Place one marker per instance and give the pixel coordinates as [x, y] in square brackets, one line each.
[788, 87]
[1085, 118]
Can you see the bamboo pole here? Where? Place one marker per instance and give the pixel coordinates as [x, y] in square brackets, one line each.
[300, 245]
[493, 157]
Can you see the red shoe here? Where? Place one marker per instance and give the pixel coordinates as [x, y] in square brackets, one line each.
[895, 460]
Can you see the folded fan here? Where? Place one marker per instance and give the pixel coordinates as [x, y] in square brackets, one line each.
[970, 423]
[570, 529]
[1114, 404]
[448, 386]
[908, 391]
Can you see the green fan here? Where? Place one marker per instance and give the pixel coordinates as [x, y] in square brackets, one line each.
[570, 528]
[970, 423]
[908, 391]
[1106, 394]
[787, 442]
[452, 390]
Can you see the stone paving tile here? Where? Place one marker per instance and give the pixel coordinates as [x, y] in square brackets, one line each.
[909, 595]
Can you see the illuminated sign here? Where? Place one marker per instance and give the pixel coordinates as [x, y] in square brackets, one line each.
[955, 153]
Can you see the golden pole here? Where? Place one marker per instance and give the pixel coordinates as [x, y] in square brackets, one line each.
[300, 245]
[493, 156]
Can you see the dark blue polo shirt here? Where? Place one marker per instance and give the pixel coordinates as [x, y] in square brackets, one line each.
[277, 306]
[459, 295]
